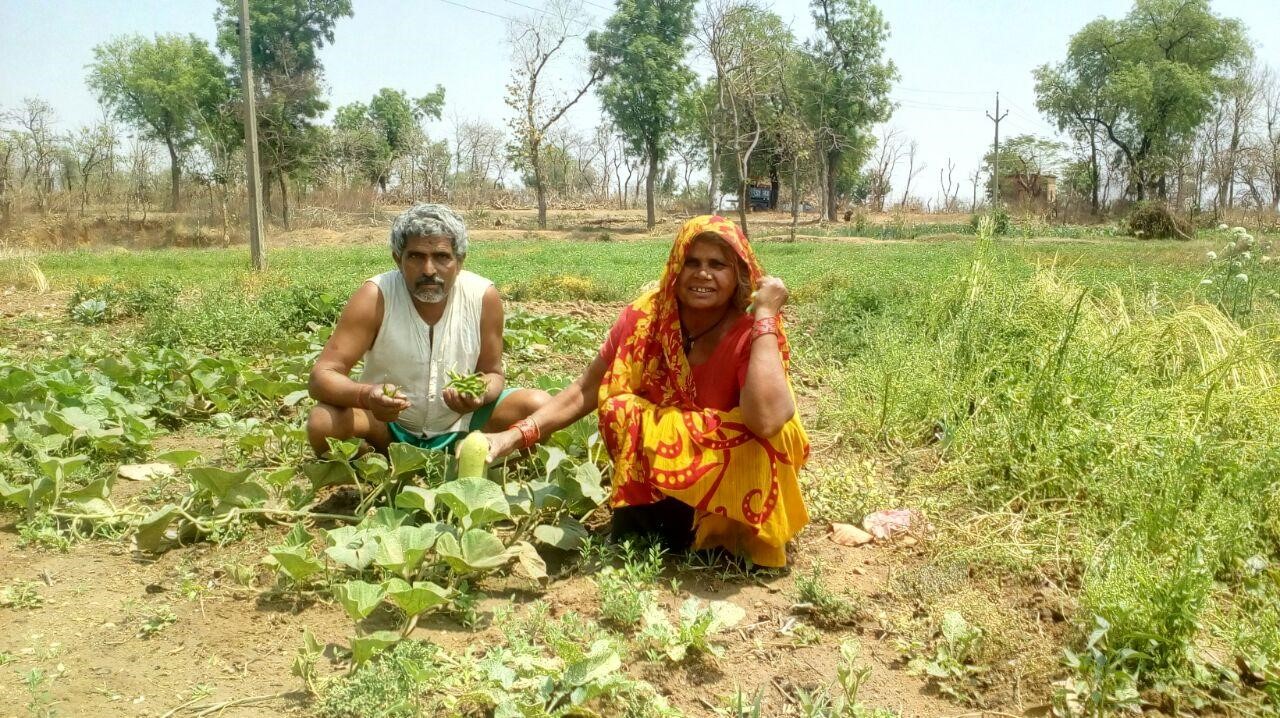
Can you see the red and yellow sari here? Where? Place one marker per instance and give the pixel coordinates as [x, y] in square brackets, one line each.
[743, 487]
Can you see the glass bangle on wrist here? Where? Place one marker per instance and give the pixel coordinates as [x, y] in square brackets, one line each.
[529, 431]
[761, 327]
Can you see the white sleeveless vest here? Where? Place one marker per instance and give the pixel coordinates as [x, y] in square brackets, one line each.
[403, 353]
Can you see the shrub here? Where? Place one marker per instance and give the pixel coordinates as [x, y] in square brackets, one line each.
[999, 221]
[1152, 219]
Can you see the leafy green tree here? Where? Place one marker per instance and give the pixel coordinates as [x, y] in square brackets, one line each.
[371, 138]
[1147, 79]
[641, 55]
[285, 38]
[166, 87]
[848, 84]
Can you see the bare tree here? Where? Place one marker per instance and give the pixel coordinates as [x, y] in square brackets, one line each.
[950, 187]
[976, 180]
[888, 155]
[37, 145]
[90, 150]
[912, 171]
[535, 44]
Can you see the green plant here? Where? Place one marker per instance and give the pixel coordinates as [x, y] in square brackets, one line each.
[826, 607]
[39, 702]
[1101, 681]
[948, 663]
[21, 594]
[841, 700]
[625, 593]
[152, 622]
[691, 636]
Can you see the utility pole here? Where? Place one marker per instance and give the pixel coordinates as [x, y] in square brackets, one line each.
[995, 170]
[256, 252]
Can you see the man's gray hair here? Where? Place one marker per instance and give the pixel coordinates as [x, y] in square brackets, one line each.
[429, 220]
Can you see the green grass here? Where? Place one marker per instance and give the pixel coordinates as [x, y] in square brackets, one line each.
[1088, 418]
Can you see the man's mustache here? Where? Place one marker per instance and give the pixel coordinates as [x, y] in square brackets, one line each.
[429, 282]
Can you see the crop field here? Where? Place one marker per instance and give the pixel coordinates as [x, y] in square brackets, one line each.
[1086, 428]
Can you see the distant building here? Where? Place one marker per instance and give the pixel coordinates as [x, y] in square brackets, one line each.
[1028, 190]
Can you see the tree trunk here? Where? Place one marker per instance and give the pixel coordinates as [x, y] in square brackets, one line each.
[539, 188]
[651, 219]
[795, 195]
[284, 200]
[1093, 175]
[713, 186]
[744, 202]
[174, 172]
[775, 183]
[833, 161]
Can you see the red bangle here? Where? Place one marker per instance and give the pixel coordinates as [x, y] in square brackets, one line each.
[766, 325]
[529, 431]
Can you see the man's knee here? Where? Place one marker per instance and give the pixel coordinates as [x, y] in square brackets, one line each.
[534, 399]
[327, 421]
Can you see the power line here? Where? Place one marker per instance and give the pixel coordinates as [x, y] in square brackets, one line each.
[945, 92]
[527, 7]
[486, 12]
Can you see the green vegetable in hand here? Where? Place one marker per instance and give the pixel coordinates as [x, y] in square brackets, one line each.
[473, 456]
[472, 385]
[389, 390]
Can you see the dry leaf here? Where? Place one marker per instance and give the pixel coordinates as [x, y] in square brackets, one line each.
[849, 535]
[145, 472]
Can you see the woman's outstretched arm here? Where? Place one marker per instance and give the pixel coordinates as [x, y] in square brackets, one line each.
[569, 405]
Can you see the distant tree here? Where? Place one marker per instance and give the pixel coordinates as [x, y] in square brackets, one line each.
[371, 138]
[536, 45]
[641, 56]
[1148, 80]
[848, 89]
[285, 39]
[748, 47]
[162, 87]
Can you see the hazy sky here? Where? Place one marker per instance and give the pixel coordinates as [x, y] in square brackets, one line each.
[952, 56]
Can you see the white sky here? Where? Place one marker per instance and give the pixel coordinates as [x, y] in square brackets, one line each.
[953, 55]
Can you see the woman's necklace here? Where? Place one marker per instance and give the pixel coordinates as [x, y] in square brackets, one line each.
[689, 340]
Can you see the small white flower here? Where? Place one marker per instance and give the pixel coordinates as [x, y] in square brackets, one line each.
[1222, 226]
[1246, 256]
[1212, 255]
[1206, 280]
[1239, 230]
[1242, 277]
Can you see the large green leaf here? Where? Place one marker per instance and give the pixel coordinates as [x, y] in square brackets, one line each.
[406, 458]
[91, 499]
[152, 533]
[179, 457]
[416, 498]
[351, 547]
[601, 660]
[329, 473]
[365, 647]
[373, 468]
[416, 598]
[401, 549]
[587, 480]
[477, 550]
[218, 481]
[60, 467]
[474, 502]
[359, 598]
[296, 561]
[568, 534]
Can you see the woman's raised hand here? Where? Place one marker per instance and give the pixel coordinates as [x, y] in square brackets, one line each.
[770, 295]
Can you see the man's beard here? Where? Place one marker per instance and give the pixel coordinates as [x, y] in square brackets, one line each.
[429, 291]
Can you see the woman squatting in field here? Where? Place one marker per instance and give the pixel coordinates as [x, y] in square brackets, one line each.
[695, 405]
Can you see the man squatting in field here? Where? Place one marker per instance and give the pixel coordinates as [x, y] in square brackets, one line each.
[412, 326]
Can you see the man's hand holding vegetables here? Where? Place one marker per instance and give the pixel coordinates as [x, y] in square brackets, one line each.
[430, 335]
